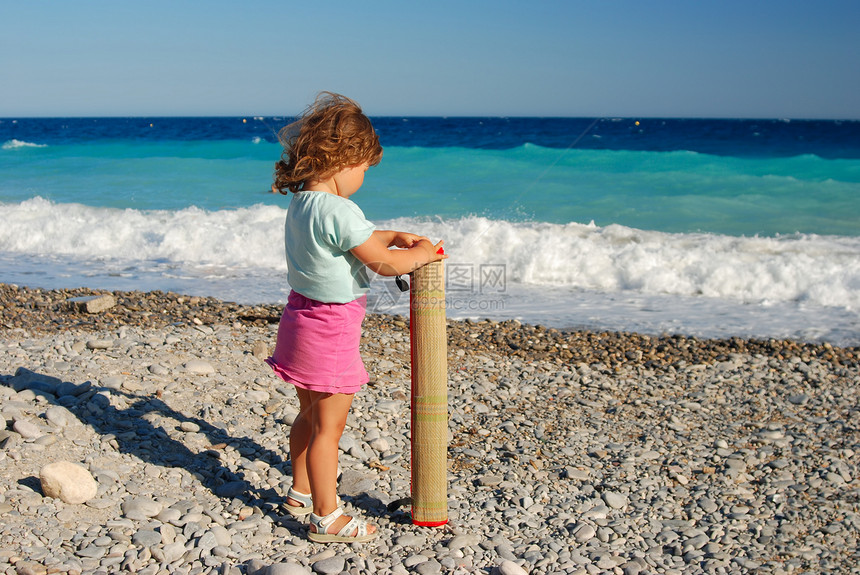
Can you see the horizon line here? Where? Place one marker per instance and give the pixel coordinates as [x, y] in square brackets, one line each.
[257, 117]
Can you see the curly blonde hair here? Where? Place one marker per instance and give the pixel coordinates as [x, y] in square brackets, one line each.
[330, 135]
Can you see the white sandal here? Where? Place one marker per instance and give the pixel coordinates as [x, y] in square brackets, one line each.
[299, 511]
[321, 525]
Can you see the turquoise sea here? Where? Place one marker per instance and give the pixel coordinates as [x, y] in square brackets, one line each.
[713, 228]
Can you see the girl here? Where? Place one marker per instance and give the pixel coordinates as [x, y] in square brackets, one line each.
[330, 245]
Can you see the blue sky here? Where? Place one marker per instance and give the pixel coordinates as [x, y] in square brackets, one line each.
[682, 58]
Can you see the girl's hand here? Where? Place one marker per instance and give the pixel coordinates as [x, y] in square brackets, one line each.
[405, 240]
[376, 255]
[437, 253]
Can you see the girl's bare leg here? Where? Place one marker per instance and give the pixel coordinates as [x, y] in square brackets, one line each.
[300, 435]
[329, 419]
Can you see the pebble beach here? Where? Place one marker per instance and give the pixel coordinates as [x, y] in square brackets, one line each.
[144, 434]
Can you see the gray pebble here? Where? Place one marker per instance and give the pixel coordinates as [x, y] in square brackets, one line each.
[140, 508]
[461, 541]
[146, 538]
[199, 366]
[582, 532]
[91, 552]
[411, 540]
[60, 416]
[287, 569]
[506, 552]
[509, 568]
[430, 567]
[96, 344]
[415, 559]
[490, 480]
[614, 500]
[173, 551]
[26, 429]
[158, 369]
[330, 566]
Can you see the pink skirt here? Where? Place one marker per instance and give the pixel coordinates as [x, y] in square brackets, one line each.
[317, 346]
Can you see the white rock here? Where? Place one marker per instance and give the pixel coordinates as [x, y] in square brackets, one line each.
[257, 396]
[173, 551]
[140, 508]
[614, 499]
[113, 381]
[199, 366]
[330, 566]
[380, 445]
[68, 481]
[411, 540]
[168, 533]
[287, 569]
[509, 568]
[26, 429]
[260, 350]
[158, 369]
[461, 541]
[390, 406]
[99, 344]
[583, 532]
[597, 512]
[578, 474]
[93, 303]
[59, 416]
[222, 535]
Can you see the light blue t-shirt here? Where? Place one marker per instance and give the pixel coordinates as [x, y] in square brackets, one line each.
[321, 228]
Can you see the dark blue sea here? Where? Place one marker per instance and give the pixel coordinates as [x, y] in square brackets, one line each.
[705, 227]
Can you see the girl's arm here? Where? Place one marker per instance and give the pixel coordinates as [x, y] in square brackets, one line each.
[374, 253]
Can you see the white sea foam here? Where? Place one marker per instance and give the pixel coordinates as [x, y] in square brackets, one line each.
[241, 237]
[570, 274]
[16, 144]
[822, 270]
